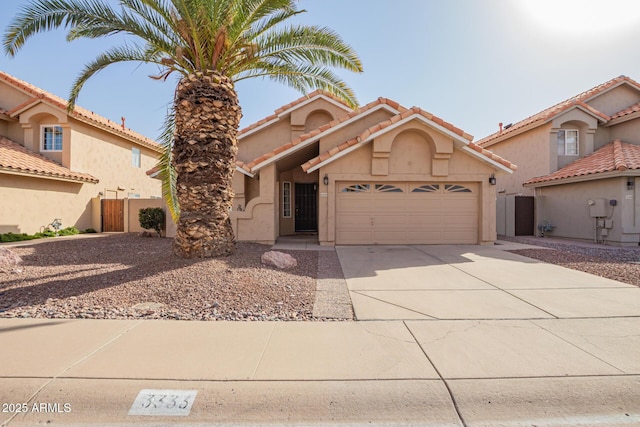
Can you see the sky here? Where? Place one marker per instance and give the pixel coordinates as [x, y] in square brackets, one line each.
[474, 63]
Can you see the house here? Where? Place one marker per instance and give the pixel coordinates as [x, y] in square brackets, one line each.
[579, 163]
[381, 174]
[60, 164]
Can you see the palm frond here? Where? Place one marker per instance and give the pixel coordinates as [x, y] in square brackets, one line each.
[165, 166]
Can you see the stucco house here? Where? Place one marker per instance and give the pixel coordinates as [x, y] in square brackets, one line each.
[579, 161]
[60, 164]
[381, 174]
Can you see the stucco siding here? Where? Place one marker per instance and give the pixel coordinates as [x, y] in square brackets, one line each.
[566, 206]
[531, 152]
[30, 203]
[109, 159]
[615, 100]
[626, 132]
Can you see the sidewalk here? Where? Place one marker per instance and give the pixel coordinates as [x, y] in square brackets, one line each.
[575, 363]
[543, 372]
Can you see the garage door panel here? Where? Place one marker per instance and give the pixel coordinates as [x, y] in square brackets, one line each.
[393, 214]
[354, 221]
[389, 237]
[390, 220]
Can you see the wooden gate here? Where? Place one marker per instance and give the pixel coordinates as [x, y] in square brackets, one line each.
[112, 215]
[524, 216]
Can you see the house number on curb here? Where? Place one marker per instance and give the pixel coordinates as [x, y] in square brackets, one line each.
[163, 402]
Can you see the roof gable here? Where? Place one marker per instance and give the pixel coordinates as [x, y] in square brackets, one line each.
[41, 96]
[324, 130]
[15, 159]
[288, 108]
[615, 156]
[462, 140]
[579, 101]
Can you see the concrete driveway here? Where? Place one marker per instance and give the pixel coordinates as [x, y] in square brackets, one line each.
[475, 282]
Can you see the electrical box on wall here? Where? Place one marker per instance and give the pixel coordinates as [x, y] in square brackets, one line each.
[598, 208]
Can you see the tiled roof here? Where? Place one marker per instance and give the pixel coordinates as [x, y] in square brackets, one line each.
[629, 110]
[615, 156]
[289, 106]
[78, 112]
[576, 101]
[326, 127]
[395, 119]
[17, 159]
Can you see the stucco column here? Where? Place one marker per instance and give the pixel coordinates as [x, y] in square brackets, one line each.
[588, 142]
[28, 137]
[553, 150]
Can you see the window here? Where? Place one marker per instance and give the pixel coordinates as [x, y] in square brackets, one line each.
[428, 188]
[568, 142]
[387, 188]
[357, 188]
[135, 157]
[51, 138]
[286, 200]
[454, 188]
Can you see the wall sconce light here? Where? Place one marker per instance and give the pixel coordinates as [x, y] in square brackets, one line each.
[492, 179]
[630, 183]
[325, 180]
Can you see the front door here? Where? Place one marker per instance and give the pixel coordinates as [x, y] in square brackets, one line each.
[306, 203]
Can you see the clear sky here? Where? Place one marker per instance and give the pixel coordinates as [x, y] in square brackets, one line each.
[473, 63]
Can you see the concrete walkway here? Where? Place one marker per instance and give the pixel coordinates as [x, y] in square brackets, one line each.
[454, 336]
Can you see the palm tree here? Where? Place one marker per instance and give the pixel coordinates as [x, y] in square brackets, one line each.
[211, 44]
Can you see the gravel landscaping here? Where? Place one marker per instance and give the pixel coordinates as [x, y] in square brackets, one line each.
[616, 263]
[125, 276]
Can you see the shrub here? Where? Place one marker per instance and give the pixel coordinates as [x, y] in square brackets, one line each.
[89, 230]
[69, 231]
[45, 233]
[151, 219]
[13, 237]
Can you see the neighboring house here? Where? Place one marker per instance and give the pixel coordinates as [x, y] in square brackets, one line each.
[57, 164]
[382, 174]
[579, 161]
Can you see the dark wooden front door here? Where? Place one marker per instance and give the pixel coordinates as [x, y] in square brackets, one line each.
[306, 202]
[112, 215]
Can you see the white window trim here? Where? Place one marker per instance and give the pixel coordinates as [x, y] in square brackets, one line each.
[138, 157]
[286, 205]
[42, 128]
[565, 142]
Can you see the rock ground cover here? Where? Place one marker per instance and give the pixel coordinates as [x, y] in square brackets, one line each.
[616, 263]
[125, 276]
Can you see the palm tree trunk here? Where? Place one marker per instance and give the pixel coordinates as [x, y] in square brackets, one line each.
[207, 117]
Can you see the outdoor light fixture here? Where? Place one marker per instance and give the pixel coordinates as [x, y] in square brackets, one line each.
[492, 179]
[325, 180]
[630, 183]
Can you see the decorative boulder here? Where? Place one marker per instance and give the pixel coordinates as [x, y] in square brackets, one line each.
[8, 258]
[278, 259]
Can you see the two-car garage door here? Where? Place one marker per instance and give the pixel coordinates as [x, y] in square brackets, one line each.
[406, 213]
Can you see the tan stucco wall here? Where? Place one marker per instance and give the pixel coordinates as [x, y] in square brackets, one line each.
[255, 144]
[566, 206]
[35, 202]
[410, 145]
[626, 132]
[30, 203]
[615, 100]
[133, 206]
[526, 150]
[108, 158]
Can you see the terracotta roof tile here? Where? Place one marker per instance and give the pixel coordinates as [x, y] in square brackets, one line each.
[78, 112]
[406, 114]
[547, 114]
[629, 110]
[326, 127]
[616, 155]
[292, 104]
[15, 158]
